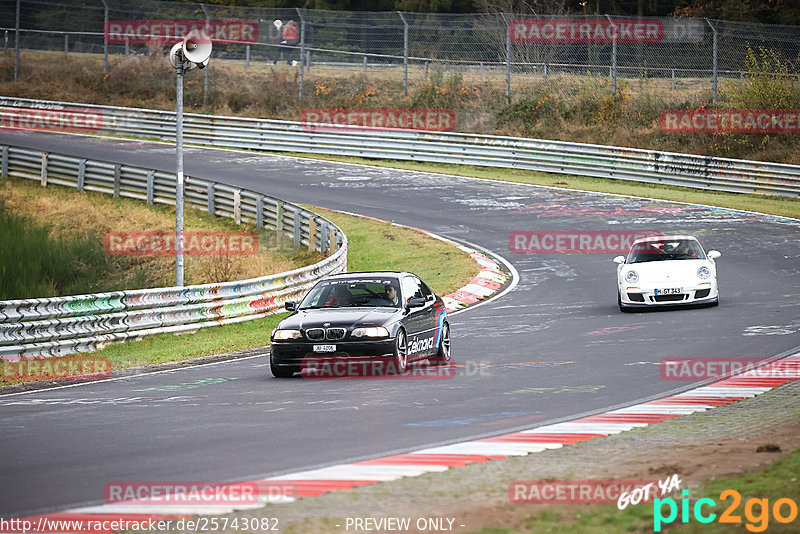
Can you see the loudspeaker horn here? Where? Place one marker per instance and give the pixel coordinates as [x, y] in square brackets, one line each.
[196, 47]
[176, 55]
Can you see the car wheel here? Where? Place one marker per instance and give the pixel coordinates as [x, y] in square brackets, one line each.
[622, 308]
[280, 372]
[400, 353]
[443, 354]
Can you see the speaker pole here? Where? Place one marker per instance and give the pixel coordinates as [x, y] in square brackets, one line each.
[192, 53]
[179, 178]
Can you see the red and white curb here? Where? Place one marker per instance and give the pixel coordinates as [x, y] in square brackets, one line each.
[287, 488]
[485, 284]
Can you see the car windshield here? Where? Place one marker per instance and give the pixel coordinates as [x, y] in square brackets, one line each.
[668, 249]
[383, 292]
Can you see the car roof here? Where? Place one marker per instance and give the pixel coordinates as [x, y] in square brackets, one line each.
[363, 274]
[654, 238]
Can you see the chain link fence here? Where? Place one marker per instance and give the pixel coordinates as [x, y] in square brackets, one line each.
[469, 62]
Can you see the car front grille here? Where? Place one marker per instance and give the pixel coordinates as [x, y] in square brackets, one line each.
[670, 298]
[636, 297]
[702, 293]
[335, 333]
[315, 334]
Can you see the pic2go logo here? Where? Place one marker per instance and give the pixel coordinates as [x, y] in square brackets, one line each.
[756, 511]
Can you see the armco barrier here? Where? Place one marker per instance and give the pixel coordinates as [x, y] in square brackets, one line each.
[702, 172]
[64, 325]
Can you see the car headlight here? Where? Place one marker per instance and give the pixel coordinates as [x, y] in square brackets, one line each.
[282, 335]
[631, 277]
[703, 272]
[370, 331]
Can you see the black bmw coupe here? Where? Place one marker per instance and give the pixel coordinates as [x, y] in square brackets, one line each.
[388, 318]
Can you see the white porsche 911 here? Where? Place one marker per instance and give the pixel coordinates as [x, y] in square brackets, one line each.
[666, 271]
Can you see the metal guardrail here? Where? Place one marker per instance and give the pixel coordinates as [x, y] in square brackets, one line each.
[638, 165]
[83, 323]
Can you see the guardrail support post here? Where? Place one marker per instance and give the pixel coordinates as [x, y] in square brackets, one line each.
[117, 169]
[210, 193]
[4, 165]
[323, 237]
[82, 173]
[237, 206]
[44, 169]
[66, 44]
[365, 63]
[298, 219]
[260, 212]
[279, 221]
[312, 233]
[150, 186]
[247, 57]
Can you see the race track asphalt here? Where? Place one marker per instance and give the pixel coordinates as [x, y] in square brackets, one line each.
[553, 348]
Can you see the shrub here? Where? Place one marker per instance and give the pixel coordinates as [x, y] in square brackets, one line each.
[769, 83]
[529, 112]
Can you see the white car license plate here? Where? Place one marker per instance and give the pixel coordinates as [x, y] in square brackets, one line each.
[324, 348]
[668, 291]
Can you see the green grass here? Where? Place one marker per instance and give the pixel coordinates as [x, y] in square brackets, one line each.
[375, 246]
[165, 348]
[787, 207]
[34, 264]
[778, 482]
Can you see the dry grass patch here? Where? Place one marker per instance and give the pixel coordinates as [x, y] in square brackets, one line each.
[577, 109]
[71, 215]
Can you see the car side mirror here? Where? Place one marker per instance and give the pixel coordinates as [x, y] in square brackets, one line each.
[619, 260]
[714, 254]
[290, 305]
[417, 302]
